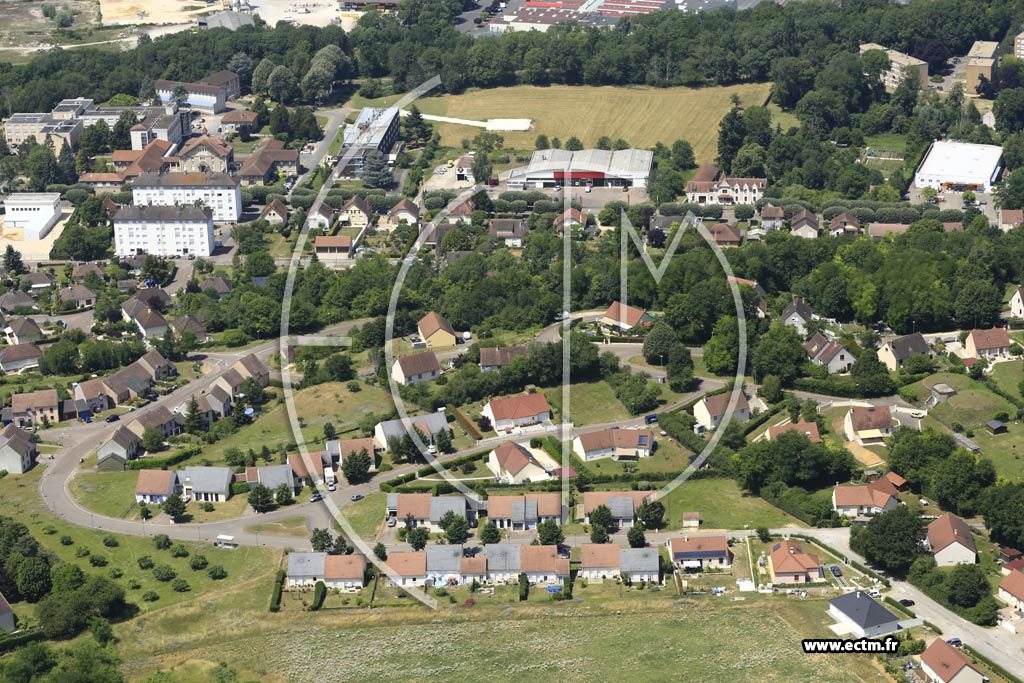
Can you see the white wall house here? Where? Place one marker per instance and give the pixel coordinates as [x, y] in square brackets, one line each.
[163, 231]
[35, 213]
[217, 191]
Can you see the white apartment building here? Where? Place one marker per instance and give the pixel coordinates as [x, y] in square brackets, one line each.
[34, 212]
[217, 191]
[163, 231]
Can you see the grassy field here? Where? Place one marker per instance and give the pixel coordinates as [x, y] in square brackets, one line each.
[21, 500]
[1008, 376]
[367, 515]
[604, 635]
[642, 116]
[589, 403]
[722, 505]
[111, 494]
[293, 526]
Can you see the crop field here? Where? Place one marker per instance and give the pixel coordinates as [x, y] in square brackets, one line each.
[635, 637]
[641, 116]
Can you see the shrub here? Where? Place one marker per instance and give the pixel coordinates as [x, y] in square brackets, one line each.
[98, 561]
[116, 572]
[164, 573]
[275, 596]
[217, 572]
[181, 586]
[110, 542]
[81, 552]
[150, 596]
[319, 594]
[66, 540]
[179, 550]
[208, 507]
[524, 588]
[133, 584]
[198, 562]
[161, 542]
[145, 562]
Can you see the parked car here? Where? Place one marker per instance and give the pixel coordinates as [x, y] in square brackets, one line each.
[357, 497]
[955, 642]
[392, 521]
[332, 487]
[317, 496]
[836, 571]
[111, 418]
[907, 603]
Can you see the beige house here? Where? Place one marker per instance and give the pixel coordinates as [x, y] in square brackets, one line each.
[943, 663]
[899, 64]
[35, 408]
[1011, 589]
[790, 564]
[711, 410]
[869, 499]
[618, 444]
[895, 352]
[868, 425]
[990, 344]
[435, 330]
[355, 212]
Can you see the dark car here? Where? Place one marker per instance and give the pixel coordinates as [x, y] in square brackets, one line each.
[955, 642]
[357, 496]
[836, 571]
[111, 418]
[907, 603]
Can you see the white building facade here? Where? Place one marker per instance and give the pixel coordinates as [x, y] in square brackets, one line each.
[163, 231]
[217, 191]
[34, 212]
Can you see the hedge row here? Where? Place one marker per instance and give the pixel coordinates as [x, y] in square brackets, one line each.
[275, 596]
[988, 662]
[766, 415]
[165, 463]
[8, 643]
[895, 604]
[390, 485]
[466, 423]
[319, 595]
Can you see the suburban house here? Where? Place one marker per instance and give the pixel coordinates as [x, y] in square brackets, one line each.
[700, 552]
[868, 425]
[155, 486]
[623, 505]
[17, 452]
[37, 281]
[19, 357]
[149, 321]
[241, 121]
[805, 224]
[990, 344]
[710, 186]
[511, 230]
[1010, 219]
[790, 564]
[203, 154]
[493, 358]
[861, 616]
[419, 367]
[445, 565]
[950, 541]
[570, 218]
[435, 330]
[895, 352]
[78, 296]
[311, 469]
[15, 299]
[206, 484]
[268, 161]
[1011, 589]
[710, 410]
[321, 217]
[22, 331]
[156, 366]
[1017, 303]
[830, 353]
[428, 425]
[798, 315]
[7, 621]
[275, 213]
[405, 210]
[725, 235]
[424, 509]
[35, 407]
[336, 450]
[120, 447]
[339, 572]
[808, 429]
[512, 463]
[355, 212]
[524, 512]
[601, 561]
[332, 246]
[511, 412]
[844, 224]
[625, 317]
[618, 444]
[189, 324]
[772, 217]
[540, 563]
[273, 477]
[251, 367]
[80, 271]
[866, 499]
[219, 285]
[158, 418]
[407, 569]
[943, 663]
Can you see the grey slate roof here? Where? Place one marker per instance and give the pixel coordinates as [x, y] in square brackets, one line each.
[444, 558]
[207, 479]
[904, 347]
[524, 512]
[273, 476]
[799, 307]
[502, 557]
[435, 421]
[862, 610]
[306, 564]
[439, 505]
[639, 560]
[621, 508]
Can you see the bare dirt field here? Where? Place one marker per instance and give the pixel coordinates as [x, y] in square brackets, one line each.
[123, 12]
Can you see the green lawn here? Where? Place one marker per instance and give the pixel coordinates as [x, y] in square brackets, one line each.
[589, 403]
[1007, 376]
[668, 457]
[722, 505]
[111, 494]
[892, 142]
[293, 526]
[367, 515]
[21, 500]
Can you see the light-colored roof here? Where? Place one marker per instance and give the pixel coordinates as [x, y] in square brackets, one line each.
[951, 160]
[408, 564]
[592, 499]
[1013, 583]
[154, 482]
[548, 505]
[624, 162]
[599, 556]
[43, 398]
[878, 494]
[542, 558]
[947, 530]
[415, 504]
[515, 407]
[306, 564]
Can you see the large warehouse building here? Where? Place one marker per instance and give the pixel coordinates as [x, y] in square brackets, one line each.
[596, 167]
[959, 166]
